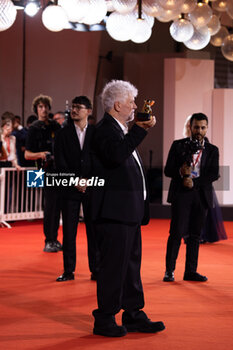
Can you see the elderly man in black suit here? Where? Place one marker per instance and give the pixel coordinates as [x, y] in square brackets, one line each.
[118, 210]
[72, 156]
[193, 170]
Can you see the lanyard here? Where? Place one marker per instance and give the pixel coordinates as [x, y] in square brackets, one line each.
[197, 159]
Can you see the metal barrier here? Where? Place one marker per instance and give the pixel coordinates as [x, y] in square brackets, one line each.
[17, 201]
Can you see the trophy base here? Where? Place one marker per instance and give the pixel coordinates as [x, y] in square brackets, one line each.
[143, 117]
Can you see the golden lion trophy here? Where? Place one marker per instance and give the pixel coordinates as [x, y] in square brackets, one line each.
[146, 112]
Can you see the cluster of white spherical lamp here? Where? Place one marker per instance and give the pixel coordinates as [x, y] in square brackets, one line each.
[222, 38]
[122, 24]
[194, 23]
[126, 25]
[57, 17]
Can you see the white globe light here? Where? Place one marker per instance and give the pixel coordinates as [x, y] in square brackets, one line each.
[217, 39]
[96, 13]
[124, 6]
[32, 8]
[227, 47]
[230, 8]
[75, 9]
[152, 8]
[181, 30]
[220, 5]
[54, 18]
[199, 40]
[214, 25]
[7, 14]
[142, 33]
[169, 15]
[188, 6]
[201, 15]
[121, 27]
[170, 4]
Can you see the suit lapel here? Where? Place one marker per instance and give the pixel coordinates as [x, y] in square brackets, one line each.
[114, 123]
[87, 137]
[204, 156]
[74, 138]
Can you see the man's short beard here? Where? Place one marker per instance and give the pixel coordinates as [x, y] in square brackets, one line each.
[130, 118]
[75, 116]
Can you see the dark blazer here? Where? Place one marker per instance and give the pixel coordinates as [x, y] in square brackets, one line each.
[41, 137]
[69, 158]
[209, 171]
[121, 198]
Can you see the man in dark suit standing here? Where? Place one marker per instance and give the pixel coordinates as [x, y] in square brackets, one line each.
[192, 171]
[72, 156]
[118, 210]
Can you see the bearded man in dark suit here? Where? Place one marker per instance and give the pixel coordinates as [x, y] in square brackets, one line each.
[118, 209]
[190, 194]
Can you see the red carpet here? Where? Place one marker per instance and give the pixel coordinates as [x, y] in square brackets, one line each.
[38, 313]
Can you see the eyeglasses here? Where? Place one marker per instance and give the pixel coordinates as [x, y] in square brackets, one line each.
[78, 107]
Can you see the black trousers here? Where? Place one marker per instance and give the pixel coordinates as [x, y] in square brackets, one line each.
[70, 217]
[119, 283]
[188, 216]
[52, 208]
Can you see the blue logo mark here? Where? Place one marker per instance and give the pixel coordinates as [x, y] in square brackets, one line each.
[35, 178]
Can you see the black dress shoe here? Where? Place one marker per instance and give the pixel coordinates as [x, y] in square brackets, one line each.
[50, 247]
[194, 276]
[144, 326]
[65, 277]
[112, 330]
[58, 245]
[138, 321]
[168, 277]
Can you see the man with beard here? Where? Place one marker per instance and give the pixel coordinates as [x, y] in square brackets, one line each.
[118, 210]
[190, 194]
[40, 147]
[72, 156]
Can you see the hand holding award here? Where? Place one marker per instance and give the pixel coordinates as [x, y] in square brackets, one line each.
[145, 119]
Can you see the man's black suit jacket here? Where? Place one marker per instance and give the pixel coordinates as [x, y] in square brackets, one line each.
[69, 158]
[209, 171]
[121, 198]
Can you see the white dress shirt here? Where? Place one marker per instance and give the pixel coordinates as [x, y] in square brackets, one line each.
[81, 134]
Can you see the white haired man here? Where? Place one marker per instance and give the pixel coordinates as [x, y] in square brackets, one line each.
[118, 209]
[59, 117]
